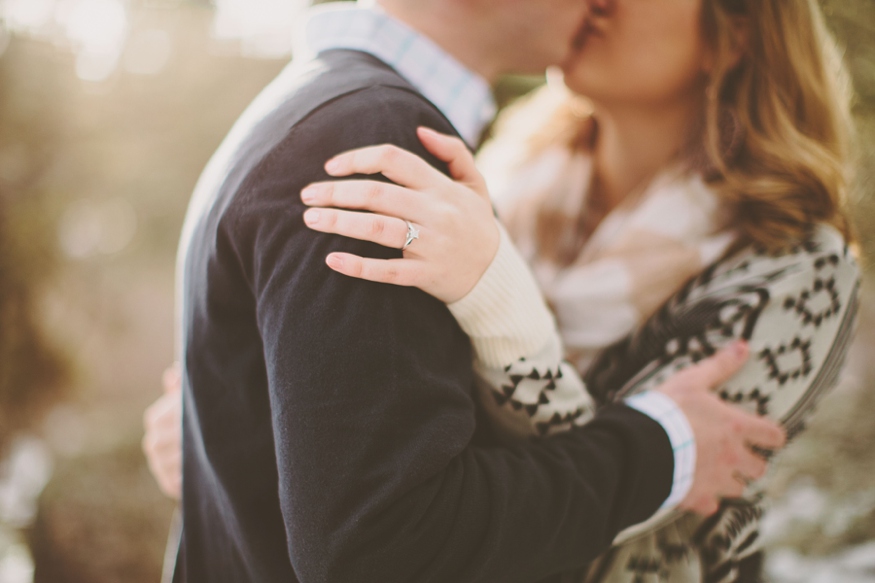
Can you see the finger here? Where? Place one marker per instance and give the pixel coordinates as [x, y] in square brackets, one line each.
[159, 444]
[379, 229]
[735, 486]
[393, 271]
[167, 406]
[710, 507]
[169, 480]
[751, 467]
[379, 197]
[704, 506]
[172, 378]
[456, 154]
[760, 432]
[716, 370]
[153, 413]
[396, 164]
[172, 488]
[171, 462]
[166, 454]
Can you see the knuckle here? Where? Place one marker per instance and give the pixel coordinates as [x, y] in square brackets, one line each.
[363, 271]
[389, 155]
[392, 275]
[328, 218]
[731, 457]
[759, 471]
[736, 425]
[780, 436]
[376, 227]
[372, 192]
[353, 267]
[458, 145]
[327, 192]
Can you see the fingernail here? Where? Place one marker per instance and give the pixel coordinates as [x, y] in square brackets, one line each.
[332, 166]
[334, 261]
[740, 349]
[311, 216]
[310, 193]
[427, 130]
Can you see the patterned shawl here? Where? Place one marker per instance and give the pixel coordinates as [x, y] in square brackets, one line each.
[650, 292]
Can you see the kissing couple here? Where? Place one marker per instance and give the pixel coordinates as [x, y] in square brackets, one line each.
[381, 380]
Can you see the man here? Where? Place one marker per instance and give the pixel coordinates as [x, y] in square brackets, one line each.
[330, 432]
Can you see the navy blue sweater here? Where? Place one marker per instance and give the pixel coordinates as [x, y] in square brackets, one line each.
[330, 430]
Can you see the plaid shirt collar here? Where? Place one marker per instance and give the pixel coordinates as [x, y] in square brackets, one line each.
[462, 96]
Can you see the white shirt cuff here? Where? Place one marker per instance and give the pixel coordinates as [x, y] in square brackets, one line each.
[664, 411]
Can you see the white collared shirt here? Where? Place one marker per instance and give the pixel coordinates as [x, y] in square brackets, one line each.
[461, 95]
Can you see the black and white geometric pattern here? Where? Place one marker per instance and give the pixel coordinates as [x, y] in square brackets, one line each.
[531, 398]
[796, 309]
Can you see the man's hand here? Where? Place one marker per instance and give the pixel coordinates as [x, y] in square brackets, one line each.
[162, 442]
[724, 434]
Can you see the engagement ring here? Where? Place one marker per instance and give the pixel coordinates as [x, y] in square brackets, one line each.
[412, 233]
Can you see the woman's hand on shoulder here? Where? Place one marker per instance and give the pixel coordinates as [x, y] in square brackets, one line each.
[445, 226]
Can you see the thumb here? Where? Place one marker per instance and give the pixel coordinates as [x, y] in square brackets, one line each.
[458, 157]
[716, 370]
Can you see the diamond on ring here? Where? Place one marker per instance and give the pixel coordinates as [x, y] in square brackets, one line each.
[412, 233]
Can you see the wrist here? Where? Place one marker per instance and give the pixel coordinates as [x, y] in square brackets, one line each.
[505, 314]
[668, 414]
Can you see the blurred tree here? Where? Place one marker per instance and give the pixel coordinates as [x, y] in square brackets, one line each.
[32, 372]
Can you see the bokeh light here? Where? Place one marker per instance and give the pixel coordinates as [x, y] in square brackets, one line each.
[264, 28]
[28, 15]
[109, 110]
[148, 52]
[98, 30]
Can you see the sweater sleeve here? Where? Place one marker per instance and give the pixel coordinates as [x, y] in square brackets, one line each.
[524, 384]
[373, 412]
[505, 314]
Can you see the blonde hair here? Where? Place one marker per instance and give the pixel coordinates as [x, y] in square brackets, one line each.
[777, 128]
[791, 95]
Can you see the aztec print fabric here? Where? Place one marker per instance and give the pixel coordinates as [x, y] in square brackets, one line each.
[797, 309]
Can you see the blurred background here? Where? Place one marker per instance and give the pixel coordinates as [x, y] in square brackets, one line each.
[109, 109]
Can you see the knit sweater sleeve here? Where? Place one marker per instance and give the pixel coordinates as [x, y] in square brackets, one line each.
[523, 382]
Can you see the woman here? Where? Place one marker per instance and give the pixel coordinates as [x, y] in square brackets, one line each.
[713, 146]
[714, 130]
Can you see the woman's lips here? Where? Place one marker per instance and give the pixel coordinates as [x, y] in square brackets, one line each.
[583, 34]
